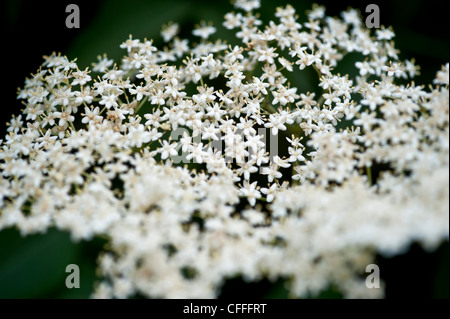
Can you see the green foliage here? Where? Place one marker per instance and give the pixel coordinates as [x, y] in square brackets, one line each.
[34, 266]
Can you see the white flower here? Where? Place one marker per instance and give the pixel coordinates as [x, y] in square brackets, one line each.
[280, 162]
[84, 96]
[254, 217]
[167, 150]
[372, 99]
[130, 44]
[260, 86]
[275, 123]
[246, 169]
[196, 153]
[247, 5]
[305, 59]
[139, 91]
[210, 132]
[364, 68]
[91, 116]
[393, 70]
[169, 31]
[284, 95]
[272, 172]
[270, 192]
[296, 154]
[251, 192]
[15, 124]
[267, 54]
[154, 134]
[442, 76]
[109, 101]
[385, 34]
[138, 136]
[103, 64]
[81, 77]
[286, 64]
[64, 117]
[158, 97]
[232, 20]
[204, 31]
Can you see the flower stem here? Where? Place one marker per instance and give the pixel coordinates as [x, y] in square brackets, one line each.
[141, 104]
[369, 175]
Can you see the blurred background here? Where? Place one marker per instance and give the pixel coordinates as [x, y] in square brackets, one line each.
[34, 266]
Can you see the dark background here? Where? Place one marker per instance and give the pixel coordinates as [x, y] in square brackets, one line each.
[34, 266]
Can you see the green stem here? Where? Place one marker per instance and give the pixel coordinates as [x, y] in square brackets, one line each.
[320, 75]
[369, 175]
[249, 75]
[269, 107]
[141, 104]
[293, 181]
[129, 73]
[296, 130]
[71, 125]
[317, 71]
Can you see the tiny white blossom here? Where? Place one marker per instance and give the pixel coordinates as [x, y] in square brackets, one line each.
[204, 31]
[109, 101]
[251, 192]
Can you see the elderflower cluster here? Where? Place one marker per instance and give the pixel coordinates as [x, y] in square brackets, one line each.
[167, 155]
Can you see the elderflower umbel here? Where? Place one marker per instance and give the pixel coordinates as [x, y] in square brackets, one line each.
[156, 155]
